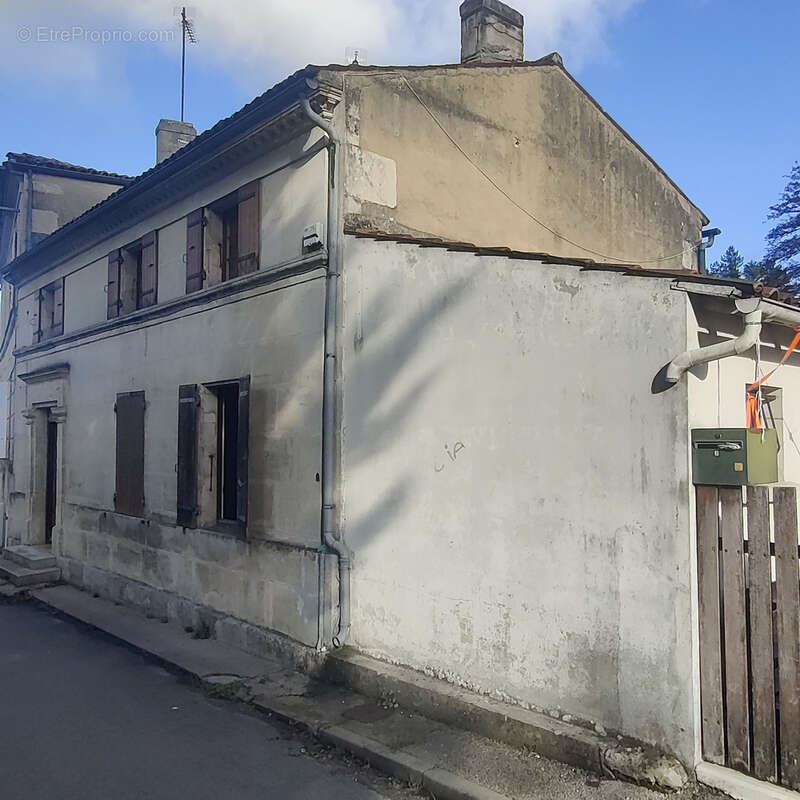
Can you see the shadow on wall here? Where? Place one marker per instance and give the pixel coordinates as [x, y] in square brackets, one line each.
[390, 397]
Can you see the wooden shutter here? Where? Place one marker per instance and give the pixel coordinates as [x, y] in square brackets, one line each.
[249, 228]
[243, 447]
[112, 288]
[188, 405]
[129, 495]
[58, 308]
[42, 325]
[148, 277]
[195, 274]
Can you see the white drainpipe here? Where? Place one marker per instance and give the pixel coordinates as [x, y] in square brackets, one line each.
[331, 534]
[756, 311]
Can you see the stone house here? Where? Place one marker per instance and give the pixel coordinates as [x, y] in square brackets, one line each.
[37, 196]
[377, 361]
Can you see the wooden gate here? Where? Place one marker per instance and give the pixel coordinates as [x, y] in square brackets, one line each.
[749, 574]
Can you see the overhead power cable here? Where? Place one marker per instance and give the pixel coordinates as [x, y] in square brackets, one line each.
[521, 208]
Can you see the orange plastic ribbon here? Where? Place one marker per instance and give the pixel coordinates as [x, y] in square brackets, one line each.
[751, 408]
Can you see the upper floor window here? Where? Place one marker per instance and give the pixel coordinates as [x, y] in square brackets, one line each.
[133, 276]
[223, 240]
[51, 311]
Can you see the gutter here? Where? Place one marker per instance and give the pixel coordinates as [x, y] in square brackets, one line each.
[331, 533]
[263, 108]
[756, 311]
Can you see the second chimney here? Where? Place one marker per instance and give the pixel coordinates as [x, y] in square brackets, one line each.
[491, 31]
[171, 135]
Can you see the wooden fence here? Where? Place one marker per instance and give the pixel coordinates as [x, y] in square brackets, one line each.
[749, 574]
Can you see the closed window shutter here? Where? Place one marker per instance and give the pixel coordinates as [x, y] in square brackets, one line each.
[188, 404]
[58, 309]
[114, 263]
[195, 274]
[129, 494]
[249, 224]
[243, 447]
[148, 278]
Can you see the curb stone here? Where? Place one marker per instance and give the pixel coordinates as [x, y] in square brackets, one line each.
[559, 740]
[224, 671]
[441, 783]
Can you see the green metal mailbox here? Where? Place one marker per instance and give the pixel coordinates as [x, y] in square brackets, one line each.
[734, 456]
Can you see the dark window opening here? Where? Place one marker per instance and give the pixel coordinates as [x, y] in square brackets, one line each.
[213, 447]
[231, 238]
[229, 253]
[228, 450]
[51, 483]
[51, 310]
[133, 277]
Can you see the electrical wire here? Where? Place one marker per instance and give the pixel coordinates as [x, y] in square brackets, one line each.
[515, 203]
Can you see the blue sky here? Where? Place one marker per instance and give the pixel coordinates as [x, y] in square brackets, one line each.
[708, 87]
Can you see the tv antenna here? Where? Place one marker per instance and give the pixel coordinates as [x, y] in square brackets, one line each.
[187, 32]
[356, 56]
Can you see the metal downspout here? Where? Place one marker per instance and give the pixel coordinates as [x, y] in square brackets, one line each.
[706, 240]
[714, 352]
[331, 535]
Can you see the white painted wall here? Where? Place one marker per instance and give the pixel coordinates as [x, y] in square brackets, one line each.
[291, 199]
[272, 332]
[717, 390]
[551, 560]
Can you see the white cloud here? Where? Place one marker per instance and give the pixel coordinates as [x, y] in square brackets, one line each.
[260, 39]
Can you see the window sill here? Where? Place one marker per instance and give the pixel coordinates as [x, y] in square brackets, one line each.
[200, 297]
[234, 530]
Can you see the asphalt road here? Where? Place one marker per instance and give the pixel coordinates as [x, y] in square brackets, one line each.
[85, 718]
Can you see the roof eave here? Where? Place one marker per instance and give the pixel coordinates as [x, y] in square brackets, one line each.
[63, 172]
[272, 105]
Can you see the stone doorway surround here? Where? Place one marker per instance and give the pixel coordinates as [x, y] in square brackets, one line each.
[45, 393]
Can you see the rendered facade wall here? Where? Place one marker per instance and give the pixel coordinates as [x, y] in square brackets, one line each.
[57, 200]
[516, 497]
[538, 136]
[269, 331]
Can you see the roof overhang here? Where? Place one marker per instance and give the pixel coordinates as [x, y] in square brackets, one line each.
[20, 165]
[264, 124]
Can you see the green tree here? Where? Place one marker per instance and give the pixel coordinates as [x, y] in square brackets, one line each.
[729, 265]
[771, 274]
[783, 241]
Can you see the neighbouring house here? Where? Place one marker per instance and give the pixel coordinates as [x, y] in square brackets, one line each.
[381, 360]
[37, 196]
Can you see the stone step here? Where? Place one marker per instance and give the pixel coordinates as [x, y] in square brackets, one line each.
[22, 576]
[31, 556]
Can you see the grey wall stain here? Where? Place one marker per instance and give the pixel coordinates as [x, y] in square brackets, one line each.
[562, 285]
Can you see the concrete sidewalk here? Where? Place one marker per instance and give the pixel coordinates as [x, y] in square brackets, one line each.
[449, 762]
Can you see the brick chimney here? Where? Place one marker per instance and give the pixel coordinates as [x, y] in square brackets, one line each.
[490, 31]
[171, 135]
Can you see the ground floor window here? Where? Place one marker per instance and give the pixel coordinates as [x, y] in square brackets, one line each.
[213, 454]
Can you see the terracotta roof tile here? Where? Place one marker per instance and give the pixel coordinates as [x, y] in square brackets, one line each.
[748, 287]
